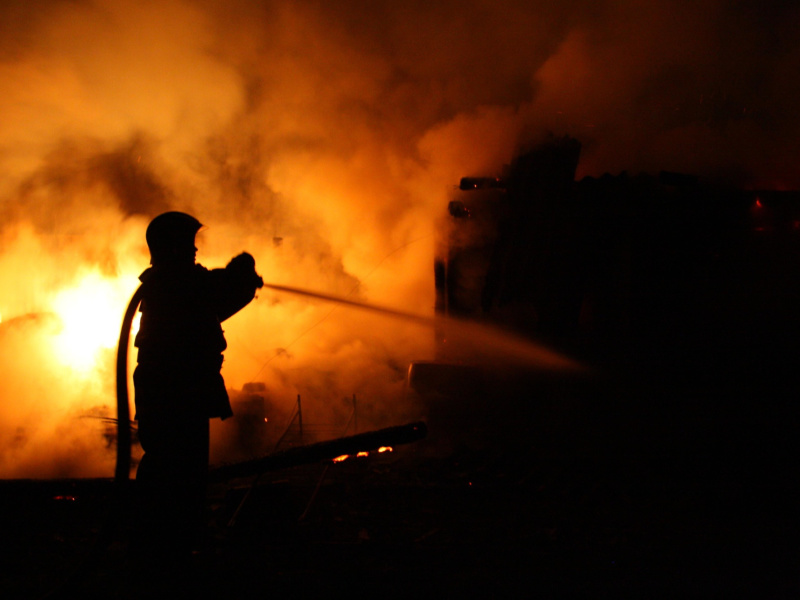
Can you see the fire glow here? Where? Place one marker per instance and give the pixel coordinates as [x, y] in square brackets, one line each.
[89, 314]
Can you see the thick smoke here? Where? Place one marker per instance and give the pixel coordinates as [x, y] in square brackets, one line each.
[325, 138]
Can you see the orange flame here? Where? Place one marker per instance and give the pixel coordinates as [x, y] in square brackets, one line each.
[90, 317]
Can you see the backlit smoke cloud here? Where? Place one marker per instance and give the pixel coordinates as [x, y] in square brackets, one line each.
[324, 138]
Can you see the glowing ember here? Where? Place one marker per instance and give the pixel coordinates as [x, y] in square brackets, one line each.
[362, 454]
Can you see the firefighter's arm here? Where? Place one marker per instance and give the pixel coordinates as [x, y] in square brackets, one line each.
[240, 284]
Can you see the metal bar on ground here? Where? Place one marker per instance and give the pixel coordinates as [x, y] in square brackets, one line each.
[363, 442]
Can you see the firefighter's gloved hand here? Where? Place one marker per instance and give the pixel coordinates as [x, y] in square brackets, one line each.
[244, 263]
[244, 266]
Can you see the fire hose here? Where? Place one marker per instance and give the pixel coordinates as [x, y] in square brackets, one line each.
[123, 466]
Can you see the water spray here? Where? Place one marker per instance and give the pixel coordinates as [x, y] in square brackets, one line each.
[421, 319]
[479, 335]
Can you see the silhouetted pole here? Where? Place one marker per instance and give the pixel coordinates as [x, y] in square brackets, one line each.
[355, 415]
[300, 415]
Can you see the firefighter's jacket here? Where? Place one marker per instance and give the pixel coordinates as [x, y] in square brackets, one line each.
[180, 338]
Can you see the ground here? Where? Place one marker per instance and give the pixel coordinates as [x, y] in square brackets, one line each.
[653, 505]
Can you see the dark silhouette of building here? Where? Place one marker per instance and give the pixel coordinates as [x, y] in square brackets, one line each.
[603, 267]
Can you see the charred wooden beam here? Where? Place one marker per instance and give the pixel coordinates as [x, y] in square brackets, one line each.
[363, 442]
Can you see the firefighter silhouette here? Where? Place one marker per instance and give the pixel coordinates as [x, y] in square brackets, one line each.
[177, 380]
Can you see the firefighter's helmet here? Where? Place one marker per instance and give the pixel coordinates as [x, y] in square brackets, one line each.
[169, 231]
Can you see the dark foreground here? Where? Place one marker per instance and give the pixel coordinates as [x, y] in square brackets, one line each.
[685, 498]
